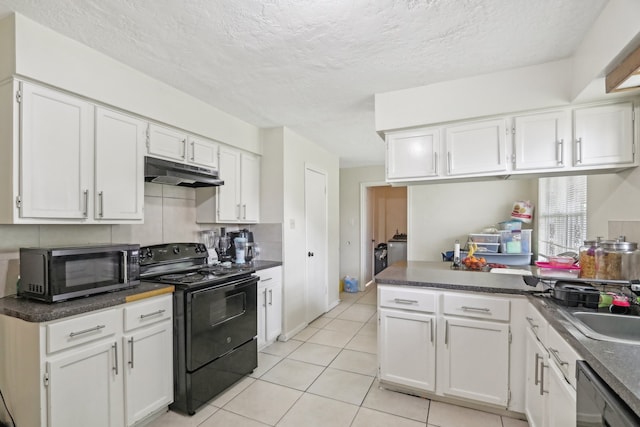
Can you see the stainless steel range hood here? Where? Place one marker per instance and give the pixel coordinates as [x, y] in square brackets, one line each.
[174, 173]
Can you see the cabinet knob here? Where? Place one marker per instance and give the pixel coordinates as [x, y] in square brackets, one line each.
[309, 254]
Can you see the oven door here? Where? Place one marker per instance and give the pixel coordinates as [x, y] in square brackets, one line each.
[219, 319]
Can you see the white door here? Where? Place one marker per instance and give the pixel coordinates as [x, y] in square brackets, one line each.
[315, 196]
[408, 356]
[203, 152]
[119, 187]
[476, 359]
[85, 388]
[250, 188]
[167, 142]
[534, 406]
[413, 154]
[603, 135]
[478, 147]
[148, 367]
[228, 197]
[541, 140]
[56, 154]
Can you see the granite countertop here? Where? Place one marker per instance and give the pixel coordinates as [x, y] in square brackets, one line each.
[36, 311]
[615, 363]
[264, 264]
[440, 275]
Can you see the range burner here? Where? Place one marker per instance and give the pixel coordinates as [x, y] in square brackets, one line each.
[185, 278]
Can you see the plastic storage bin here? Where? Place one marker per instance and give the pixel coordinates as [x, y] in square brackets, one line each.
[506, 259]
[509, 241]
[484, 238]
[488, 247]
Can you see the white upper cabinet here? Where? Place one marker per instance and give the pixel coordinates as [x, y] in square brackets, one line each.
[56, 154]
[603, 135]
[476, 148]
[203, 152]
[413, 155]
[228, 199]
[119, 148]
[542, 141]
[167, 143]
[249, 187]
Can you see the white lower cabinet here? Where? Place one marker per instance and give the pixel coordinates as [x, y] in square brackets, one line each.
[475, 360]
[111, 368]
[550, 395]
[408, 356]
[455, 345]
[269, 305]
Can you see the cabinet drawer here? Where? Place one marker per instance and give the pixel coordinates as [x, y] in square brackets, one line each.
[269, 276]
[562, 355]
[537, 323]
[476, 306]
[147, 312]
[79, 330]
[407, 299]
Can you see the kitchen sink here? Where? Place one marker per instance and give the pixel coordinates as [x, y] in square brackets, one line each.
[607, 327]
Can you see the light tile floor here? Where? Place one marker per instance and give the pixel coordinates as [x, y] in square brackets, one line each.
[326, 376]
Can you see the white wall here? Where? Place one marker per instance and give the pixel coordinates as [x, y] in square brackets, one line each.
[46, 56]
[612, 197]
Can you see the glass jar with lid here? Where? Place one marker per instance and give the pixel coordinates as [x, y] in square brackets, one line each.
[587, 258]
[615, 260]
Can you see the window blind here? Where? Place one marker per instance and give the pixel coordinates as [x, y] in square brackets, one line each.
[562, 214]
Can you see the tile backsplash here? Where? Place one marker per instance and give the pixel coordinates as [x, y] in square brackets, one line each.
[169, 216]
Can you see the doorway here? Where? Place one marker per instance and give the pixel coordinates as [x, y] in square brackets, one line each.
[383, 215]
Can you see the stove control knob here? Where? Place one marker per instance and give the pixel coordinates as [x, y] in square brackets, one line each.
[176, 250]
[149, 253]
[197, 249]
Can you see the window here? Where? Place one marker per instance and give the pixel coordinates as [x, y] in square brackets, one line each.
[562, 214]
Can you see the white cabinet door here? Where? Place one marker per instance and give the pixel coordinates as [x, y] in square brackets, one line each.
[561, 398]
[475, 357]
[250, 187]
[56, 154]
[408, 353]
[603, 135]
[478, 147]
[228, 198]
[203, 152]
[167, 143]
[119, 175]
[148, 367]
[262, 317]
[274, 312]
[535, 407]
[85, 388]
[541, 141]
[413, 154]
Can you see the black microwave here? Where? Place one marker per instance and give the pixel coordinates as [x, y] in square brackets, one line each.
[56, 274]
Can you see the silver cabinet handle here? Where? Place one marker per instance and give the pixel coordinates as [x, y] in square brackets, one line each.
[267, 279]
[449, 162]
[101, 204]
[264, 304]
[431, 327]
[446, 332]
[184, 148]
[270, 296]
[131, 353]
[155, 313]
[115, 356]
[405, 301]
[556, 355]
[482, 309]
[578, 150]
[193, 151]
[85, 212]
[435, 163]
[530, 320]
[238, 210]
[542, 390]
[125, 265]
[244, 216]
[537, 370]
[560, 153]
[86, 331]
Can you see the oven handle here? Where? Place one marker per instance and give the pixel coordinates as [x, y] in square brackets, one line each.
[125, 267]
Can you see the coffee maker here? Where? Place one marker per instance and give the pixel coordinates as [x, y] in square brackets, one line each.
[244, 233]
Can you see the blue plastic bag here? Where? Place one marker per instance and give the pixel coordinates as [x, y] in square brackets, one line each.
[350, 284]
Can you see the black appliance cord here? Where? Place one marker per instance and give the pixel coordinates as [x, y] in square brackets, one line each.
[8, 412]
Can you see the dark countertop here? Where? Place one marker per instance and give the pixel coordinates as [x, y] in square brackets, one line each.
[36, 311]
[615, 363]
[440, 275]
[261, 265]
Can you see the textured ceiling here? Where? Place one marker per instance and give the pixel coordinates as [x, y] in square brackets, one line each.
[314, 66]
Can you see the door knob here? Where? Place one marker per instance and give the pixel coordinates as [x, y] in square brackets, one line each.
[309, 253]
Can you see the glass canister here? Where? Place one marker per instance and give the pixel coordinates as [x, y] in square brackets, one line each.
[616, 260]
[587, 259]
